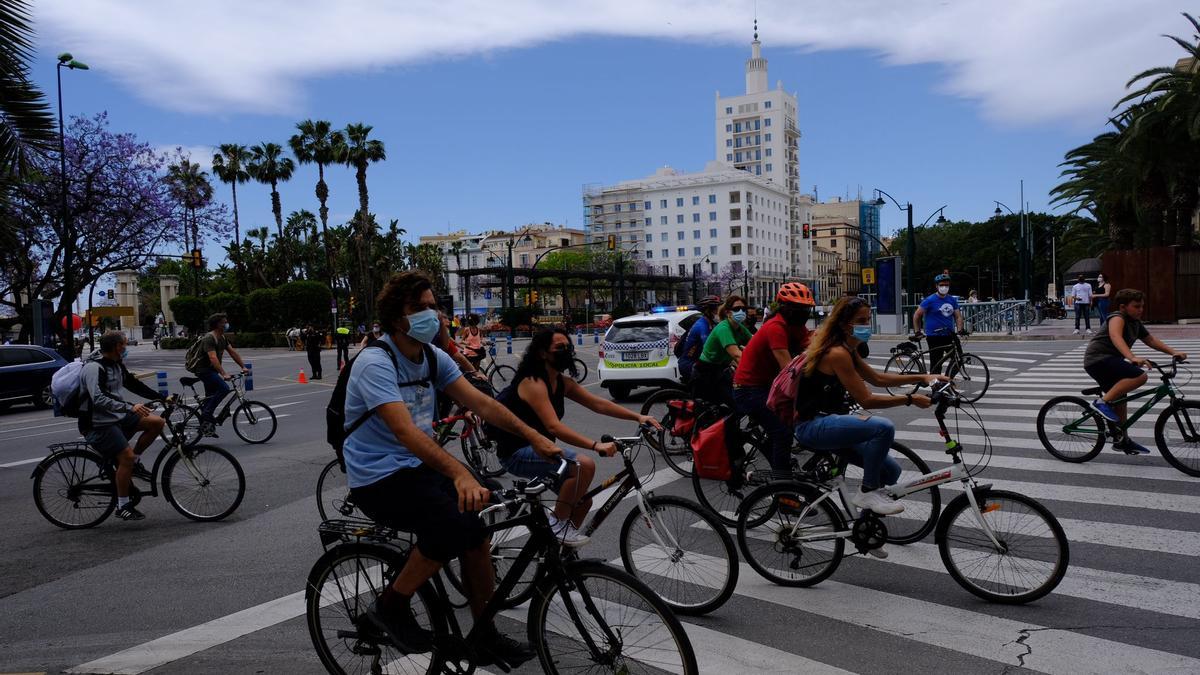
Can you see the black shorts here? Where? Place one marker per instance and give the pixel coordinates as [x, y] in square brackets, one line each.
[110, 440]
[1111, 370]
[424, 502]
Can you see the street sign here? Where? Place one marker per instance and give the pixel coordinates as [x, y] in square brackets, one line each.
[868, 275]
[487, 294]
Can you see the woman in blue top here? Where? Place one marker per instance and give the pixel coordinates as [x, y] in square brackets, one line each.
[941, 317]
[693, 342]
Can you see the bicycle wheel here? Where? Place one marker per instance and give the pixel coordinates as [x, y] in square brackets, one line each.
[675, 449]
[343, 583]
[723, 497]
[682, 552]
[787, 540]
[333, 495]
[1070, 430]
[481, 454]
[185, 419]
[74, 489]
[970, 377]
[501, 376]
[203, 483]
[905, 363]
[1177, 435]
[1035, 552]
[921, 509]
[254, 422]
[581, 371]
[621, 625]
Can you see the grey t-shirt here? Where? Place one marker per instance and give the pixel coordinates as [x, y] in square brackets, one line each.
[1101, 346]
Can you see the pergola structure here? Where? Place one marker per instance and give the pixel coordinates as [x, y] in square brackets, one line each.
[619, 282]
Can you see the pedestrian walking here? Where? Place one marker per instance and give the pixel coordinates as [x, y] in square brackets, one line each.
[1101, 296]
[313, 337]
[1082, 292]
[341, 339]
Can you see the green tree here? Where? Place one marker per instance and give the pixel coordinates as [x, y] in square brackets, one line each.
[262, 305]
[303, 302]
[269, 166]
[26, 123]
[232, 305]
[316, 143]
[359, 152]
[189, 311]
[190, 186]
[230, 166]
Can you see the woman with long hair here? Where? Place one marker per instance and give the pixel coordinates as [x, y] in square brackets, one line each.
[537, 395]
[832, 369]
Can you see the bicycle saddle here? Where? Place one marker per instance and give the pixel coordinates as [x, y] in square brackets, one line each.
[188, 381]
[1092, 391]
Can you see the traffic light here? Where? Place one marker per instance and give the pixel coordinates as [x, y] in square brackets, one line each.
[110, 294]
[807, 230]
[353, 302]
[533, 298]
[197, 260]
[612, 242]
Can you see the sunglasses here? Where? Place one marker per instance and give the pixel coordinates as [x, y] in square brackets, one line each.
[739, 307]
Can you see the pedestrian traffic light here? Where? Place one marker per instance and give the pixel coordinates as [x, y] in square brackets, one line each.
[353, 302]
[807, 230]
[612, 242]
[197, 260]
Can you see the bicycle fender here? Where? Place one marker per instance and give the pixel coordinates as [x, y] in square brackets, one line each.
[981, 493]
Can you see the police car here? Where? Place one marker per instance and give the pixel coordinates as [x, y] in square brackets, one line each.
[639, 350]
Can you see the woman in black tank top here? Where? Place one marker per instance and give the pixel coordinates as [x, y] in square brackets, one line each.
[537, 396]
[834, 368]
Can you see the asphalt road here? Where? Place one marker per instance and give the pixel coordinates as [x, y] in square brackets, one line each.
[172, 596]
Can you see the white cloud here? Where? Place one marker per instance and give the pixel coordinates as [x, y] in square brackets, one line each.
[1024, 61]
[200, 154]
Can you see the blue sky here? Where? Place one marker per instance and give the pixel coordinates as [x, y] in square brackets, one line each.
[503, 135]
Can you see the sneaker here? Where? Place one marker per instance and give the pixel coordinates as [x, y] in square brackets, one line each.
[1100, 406]
[880, 553]
[1075, 332]
[878, 502]
[140, 471]
[493, 646]
[129, 513]
[401, 628]
[208, 430]
[1131, 447]
[567, 534]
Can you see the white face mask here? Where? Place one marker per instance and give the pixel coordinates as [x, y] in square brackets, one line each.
[943, 289]
[1099, 280]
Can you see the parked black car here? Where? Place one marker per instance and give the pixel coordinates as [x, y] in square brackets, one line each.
[25, 373]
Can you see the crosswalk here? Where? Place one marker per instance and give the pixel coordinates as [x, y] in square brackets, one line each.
[1130, 602]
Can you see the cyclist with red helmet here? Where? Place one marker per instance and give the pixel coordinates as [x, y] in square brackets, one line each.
[780, 339]
[693, 342]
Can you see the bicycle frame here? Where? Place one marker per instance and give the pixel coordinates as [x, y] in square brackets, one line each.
[235, 388]
[1166, 388]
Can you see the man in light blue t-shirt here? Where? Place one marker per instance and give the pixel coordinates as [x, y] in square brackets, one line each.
[400, 477]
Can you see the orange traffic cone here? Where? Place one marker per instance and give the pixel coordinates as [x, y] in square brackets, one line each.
[303, 378]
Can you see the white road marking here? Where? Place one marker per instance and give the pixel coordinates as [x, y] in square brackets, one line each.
[23, 462]
[1138, 431]
[1018, 353]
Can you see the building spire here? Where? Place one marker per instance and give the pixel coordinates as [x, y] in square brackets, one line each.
[756, 65]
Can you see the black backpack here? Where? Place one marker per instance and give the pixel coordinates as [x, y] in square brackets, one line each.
[336, 431]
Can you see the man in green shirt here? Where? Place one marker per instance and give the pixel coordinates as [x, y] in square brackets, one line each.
[721, 353]
[205, 362]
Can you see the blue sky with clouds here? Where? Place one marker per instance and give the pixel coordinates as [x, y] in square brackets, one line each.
[493, 120]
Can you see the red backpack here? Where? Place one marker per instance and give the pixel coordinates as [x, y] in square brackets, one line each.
[683, 418]
[710, 454]
[782, 397]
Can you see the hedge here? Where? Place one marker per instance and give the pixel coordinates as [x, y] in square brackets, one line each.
[232, 305]
[263, 307]
[175, 343]
[244, 340]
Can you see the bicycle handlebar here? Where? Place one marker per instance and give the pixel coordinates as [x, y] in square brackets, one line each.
[514, 496]
[1175, 361]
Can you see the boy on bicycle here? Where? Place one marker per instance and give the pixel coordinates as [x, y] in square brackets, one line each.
[1110, 361]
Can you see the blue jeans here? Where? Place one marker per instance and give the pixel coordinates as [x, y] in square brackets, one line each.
[1084, 310]
[215, 389]
[1102, 308]
[869, 438]
[752, 401]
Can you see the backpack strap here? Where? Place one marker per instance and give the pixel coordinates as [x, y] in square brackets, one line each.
[430, 358]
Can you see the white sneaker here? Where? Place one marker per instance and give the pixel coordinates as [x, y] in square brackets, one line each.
[878, 502]
[567, 534]
[880, 553]
[1075, 332]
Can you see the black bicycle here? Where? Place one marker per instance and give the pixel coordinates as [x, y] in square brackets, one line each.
[966, 371]
[253, 421]
[584, 616]
[75, 486]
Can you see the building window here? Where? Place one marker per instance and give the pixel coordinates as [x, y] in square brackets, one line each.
[728, 128]
[736, 231]
[712, 199]
[679, 235]
[833, 243]
[695, 217]
[524, 260]
[696, 251]
[617, 208]
[682, 270]
[768, 167]
[662, 220]
[767, 105]
[756, 124]
[695, 200]
[728, 142]
[666, 253]
[712, 232]
[648, 221]
[757, 170]
[735, 249]
[768, 155]
[728, 111]
[713, 250]
[649, 238]
[662, 236]
[649, 254]
[737, 127]
[679, 201]
[767, 123]
[735, 214]
[681, 251]
[662, 204]
[618, 224]
[679, 218]
[646, 206]
[735, 197]
[767, 137]
[712, 215]
[729, 157]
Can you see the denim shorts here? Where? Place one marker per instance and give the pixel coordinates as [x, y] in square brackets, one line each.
[527, 463]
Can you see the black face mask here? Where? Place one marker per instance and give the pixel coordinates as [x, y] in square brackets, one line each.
[561, 360]
[796, 316]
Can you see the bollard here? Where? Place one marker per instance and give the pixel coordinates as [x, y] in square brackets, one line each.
[595, 336]
[249, 376]
[508, 340]
[162, 383]
[492, 348]
[579, 336]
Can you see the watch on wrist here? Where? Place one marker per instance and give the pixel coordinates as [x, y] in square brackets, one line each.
[908, 399]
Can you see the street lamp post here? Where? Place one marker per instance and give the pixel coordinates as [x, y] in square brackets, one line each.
[750, 267]
[696, 279]
[1024, 260]
[910, 244]
[65, 60]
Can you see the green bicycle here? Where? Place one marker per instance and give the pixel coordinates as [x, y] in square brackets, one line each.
[1072, 431]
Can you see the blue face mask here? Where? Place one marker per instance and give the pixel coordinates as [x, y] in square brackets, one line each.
[424, 325]
[862, 333]
[739, 315]
[226, 327]
[124, 353]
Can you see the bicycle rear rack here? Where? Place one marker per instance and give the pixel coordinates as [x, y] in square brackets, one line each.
[346, 531]
[71, 445]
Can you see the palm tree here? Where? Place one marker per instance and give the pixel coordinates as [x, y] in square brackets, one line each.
[316, 144]
[26, 123]
[359, 152]
[230, 166]
[190, 186]
[299, 226]
[456, 249]
[269, 166]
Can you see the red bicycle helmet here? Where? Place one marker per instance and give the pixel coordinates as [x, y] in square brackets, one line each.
[795, 293]
[709, 301]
